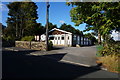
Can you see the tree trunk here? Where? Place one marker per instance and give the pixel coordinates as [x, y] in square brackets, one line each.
[22, 32]
[16, 30]
[21, 28]
[99, 37]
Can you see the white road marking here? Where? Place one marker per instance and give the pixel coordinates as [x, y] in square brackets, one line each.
[66, 61]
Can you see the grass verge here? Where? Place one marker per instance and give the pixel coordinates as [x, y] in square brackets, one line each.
[110, 62]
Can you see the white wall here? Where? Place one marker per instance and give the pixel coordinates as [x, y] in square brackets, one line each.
[59, 41]
[68, 41]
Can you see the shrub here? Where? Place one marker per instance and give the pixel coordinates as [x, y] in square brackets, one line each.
[99, 48]
[28, 38]
[50, 45]
[8, 41]
[111, 48]
[111, 62]
[8, 38]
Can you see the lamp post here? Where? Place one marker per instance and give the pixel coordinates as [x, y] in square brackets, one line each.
[47, 23]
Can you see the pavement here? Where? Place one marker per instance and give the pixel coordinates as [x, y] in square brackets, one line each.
[61, 63]
[83, 55]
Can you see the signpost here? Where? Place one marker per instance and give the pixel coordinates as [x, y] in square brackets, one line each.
[47, 23]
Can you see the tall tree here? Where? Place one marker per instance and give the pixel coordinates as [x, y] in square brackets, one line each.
[51, 26]
[71, 29]
[22, 16]
[99, 16]
[3, 28]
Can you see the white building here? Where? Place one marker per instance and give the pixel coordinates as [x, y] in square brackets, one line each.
[64, 38]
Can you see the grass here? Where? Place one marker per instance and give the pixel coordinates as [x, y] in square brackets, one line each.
[111, 62]
[99, 47]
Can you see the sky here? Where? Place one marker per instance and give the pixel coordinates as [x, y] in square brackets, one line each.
[59, 13]
[116, 35]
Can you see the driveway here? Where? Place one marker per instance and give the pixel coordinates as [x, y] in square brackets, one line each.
[82, 55]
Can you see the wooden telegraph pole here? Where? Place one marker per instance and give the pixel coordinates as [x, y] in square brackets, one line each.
[47, 23]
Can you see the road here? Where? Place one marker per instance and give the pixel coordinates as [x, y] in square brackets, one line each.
[18, 64]
[83, 55]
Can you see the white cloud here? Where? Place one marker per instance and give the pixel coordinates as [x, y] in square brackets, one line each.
[61, 21]
[115, 35]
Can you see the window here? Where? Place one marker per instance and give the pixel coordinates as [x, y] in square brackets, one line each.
[81, 38]
[58, 38]
[68, 37]
[51, 38]
[62, 37]
[74, 38]
[55, 38]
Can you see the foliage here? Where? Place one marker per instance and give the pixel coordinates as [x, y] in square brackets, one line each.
[51, 26]
[71, 29]
[8, 41]
[99, 48]
[50, 45]
[28, 38]
[22, 18]
[111, 62]
[36, 30]
[111, 48]
[2, 27]
[8, 38]
[9, 31]
[92, 14]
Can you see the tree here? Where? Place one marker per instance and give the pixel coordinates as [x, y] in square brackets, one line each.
[9, 31]
[91, 13]
[3, 28]
[71, 29]
[51, 26]
[22, 16]
[39, 29]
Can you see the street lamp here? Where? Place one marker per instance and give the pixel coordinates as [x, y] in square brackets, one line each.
[47, 23]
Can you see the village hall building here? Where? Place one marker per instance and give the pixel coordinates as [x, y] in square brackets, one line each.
[64, 38]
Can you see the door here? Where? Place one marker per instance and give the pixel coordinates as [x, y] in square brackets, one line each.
[58, 40]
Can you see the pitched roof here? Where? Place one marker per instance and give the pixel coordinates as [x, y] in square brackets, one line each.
[60, 30]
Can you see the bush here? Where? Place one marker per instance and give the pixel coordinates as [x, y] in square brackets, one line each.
[28, 38]
[8, 41]
[50, 45]
[99, 49]
[111, 48]
[8, 38]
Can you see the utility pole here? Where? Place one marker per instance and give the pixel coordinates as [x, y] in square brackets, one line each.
[47, 23]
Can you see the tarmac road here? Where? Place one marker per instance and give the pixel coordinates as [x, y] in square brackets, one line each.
[18, 64]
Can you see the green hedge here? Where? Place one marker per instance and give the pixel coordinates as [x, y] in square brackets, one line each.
[28, 38]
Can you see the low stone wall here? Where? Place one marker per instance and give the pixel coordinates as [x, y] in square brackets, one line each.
[31, 45]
